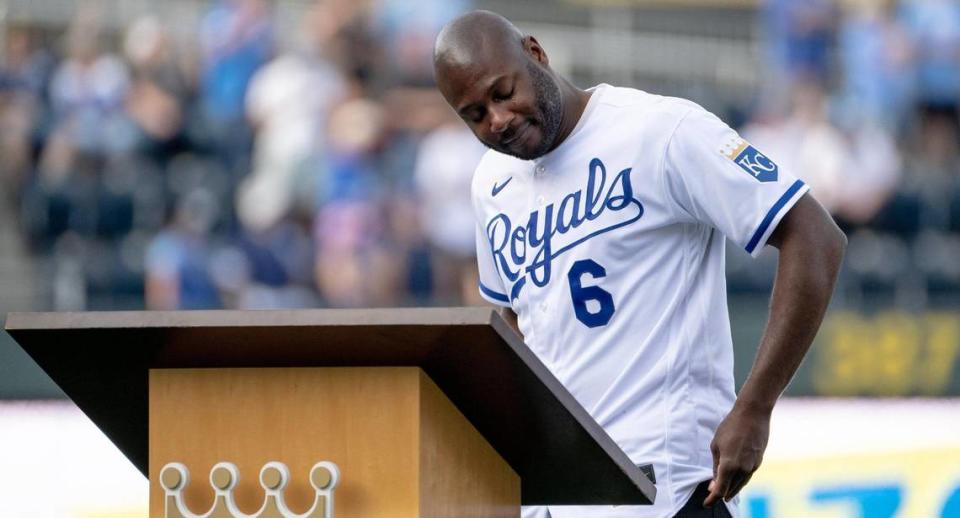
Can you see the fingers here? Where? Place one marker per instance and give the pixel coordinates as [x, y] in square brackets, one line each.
[715, 450]
[739, 477]
[727, 482]
[719, 485]
[714, 495]
[713, 488]
[737, 486]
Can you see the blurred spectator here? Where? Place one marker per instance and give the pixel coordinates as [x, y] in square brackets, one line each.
[178, 260]
[266, 269]
[236, 38]
[873, 177]
[26, 68]
[350, 265]
[934, 28]
[56, 200]
[932, 174]
[280, 261]
[799, 37]
[148, 48]
[87, 92]
[444, 169]
[805, 141]
[876, 55]
[288, 104]
[407, 30]
[24, 74]
[850, 174]
[159, 93]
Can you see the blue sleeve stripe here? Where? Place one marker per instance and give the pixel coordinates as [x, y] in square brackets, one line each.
[494, 295]
[762, 229]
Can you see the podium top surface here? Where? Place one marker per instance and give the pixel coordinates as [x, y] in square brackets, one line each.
[102, 360]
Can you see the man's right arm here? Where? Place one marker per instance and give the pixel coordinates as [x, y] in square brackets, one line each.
[511, 319]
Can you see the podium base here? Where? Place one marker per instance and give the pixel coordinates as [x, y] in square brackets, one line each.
[402, 448]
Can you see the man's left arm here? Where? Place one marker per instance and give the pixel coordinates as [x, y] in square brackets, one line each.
[811, 250]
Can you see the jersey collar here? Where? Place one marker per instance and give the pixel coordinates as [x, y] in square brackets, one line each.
[597, 92]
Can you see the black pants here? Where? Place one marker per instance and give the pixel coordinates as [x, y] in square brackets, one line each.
[694, 507]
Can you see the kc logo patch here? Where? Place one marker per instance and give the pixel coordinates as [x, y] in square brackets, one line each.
[755, 163]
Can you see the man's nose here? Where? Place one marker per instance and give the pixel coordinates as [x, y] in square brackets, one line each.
[499, 119]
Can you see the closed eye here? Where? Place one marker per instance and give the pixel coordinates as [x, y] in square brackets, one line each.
[476, 115]
[500, 97]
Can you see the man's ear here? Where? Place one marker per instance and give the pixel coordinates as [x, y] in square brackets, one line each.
[533, 49]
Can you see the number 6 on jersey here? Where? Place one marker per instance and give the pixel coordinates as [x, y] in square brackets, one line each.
[581, 294]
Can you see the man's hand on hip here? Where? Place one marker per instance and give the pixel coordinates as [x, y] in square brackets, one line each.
[737, 448]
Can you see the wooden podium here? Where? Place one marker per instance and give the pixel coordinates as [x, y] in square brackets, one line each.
[425, 412]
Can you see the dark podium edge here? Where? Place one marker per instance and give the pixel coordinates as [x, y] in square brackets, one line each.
[118, 407]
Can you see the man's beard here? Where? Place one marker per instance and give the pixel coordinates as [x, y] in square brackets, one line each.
[550, 105]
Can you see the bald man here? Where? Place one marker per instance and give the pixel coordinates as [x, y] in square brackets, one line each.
[602, 216]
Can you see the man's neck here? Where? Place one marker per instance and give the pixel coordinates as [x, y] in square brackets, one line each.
[574, 103]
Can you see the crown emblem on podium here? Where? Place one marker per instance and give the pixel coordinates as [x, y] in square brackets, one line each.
[274, 477]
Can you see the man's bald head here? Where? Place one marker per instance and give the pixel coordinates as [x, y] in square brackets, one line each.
[476, 36]
[499, 82]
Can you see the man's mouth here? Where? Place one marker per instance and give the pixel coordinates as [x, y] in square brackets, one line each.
[515, 135]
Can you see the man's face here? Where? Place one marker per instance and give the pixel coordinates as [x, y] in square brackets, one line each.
[514, 108]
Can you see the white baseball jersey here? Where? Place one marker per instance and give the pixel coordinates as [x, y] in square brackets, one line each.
[610, 249]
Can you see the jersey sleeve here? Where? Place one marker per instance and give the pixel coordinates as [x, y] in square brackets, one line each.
[491, 285]
[714, 177]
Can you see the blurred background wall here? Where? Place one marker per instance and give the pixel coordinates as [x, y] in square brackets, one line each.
[255, 154]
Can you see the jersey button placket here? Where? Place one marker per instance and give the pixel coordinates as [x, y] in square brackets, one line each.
[538, 173]
[539, 184]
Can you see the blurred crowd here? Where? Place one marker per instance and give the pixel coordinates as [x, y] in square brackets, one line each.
[230, 171]
[862, 100]
[243, 168]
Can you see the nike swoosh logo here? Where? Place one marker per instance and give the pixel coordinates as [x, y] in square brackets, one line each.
[498, 188]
